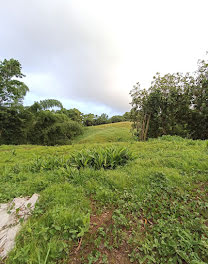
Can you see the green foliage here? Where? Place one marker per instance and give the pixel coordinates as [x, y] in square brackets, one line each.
[96, 158]
[106, 158]
[102, 119]
[117, 118]
[88, 120]
[14, 125]
[22, 125]
[174, 231]
[152, 210]
[12, 91]
[93, 120]
[61, 216]
[53, 129]
[74, 114]
[175, 104]
[45, 104]
[172, 138]
[126, 116]
[199, 118]
[155, 206]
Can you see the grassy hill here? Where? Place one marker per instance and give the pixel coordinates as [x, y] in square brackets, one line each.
[151, 208]
[117, 132]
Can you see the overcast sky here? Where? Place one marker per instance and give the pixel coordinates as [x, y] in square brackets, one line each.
[89, 53]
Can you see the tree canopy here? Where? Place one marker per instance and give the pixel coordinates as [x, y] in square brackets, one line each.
[174, 104]
[12, 90]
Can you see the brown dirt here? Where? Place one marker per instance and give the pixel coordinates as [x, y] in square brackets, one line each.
[97, 221]
[114, 256]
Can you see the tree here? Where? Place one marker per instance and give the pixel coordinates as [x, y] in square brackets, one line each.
[169, 102]
[165, 108]
[116, 119]
[15, 122]
[12, 91]
[89, 119]
[45, 104]
[75, 115]
[52, 128]
[102, 119]
[126, 116]
[140, 114]
[198, 123]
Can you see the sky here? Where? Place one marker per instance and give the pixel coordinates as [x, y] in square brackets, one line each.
[89, 54]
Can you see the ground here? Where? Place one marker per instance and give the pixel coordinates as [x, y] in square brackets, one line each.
[153, 209]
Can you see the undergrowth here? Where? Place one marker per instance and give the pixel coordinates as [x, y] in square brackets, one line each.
[152, 210]
[96, 158]
[107, 158]
[175, 225]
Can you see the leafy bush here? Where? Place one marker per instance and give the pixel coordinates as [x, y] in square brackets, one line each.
[14, 125]
[107, 158]
[97, 158]
[53, 129]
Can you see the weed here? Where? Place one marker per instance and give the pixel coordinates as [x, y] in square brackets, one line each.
[107, 158]
[158, 202]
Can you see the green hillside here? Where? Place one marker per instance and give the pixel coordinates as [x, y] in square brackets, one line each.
[117, 132]
[113, 202]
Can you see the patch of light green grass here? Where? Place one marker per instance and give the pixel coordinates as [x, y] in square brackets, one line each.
[117, 132]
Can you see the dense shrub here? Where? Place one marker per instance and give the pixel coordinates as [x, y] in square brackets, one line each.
[21, 126]
[14, 125]
[174, 104]
[53, 129]
[116, 119]
[97, 158]
[107, 158]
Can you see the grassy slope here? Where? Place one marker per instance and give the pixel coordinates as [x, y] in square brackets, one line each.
[153, 210]
[117, 132]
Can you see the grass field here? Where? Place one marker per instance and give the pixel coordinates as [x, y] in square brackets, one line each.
[117, 132]
[151, 209]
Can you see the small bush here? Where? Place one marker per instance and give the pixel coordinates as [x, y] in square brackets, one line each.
[107, 158]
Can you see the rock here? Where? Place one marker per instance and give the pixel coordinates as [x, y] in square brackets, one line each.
[10, 216]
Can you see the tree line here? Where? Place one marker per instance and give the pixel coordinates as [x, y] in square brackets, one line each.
[174, 104]
[44, 123]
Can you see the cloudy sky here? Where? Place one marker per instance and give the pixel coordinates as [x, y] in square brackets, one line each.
[89, 53]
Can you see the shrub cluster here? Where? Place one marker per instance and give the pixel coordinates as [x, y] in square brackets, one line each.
[174, 104]
[107, 158]
[97, 158]
[22, 126]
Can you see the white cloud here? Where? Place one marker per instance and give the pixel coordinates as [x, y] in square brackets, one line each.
[95, 51]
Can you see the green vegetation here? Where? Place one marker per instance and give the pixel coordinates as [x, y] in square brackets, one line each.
[106, 158]
[153, 209]
[174, 104]
[117, 132]
[105, 198]
[39, 123]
